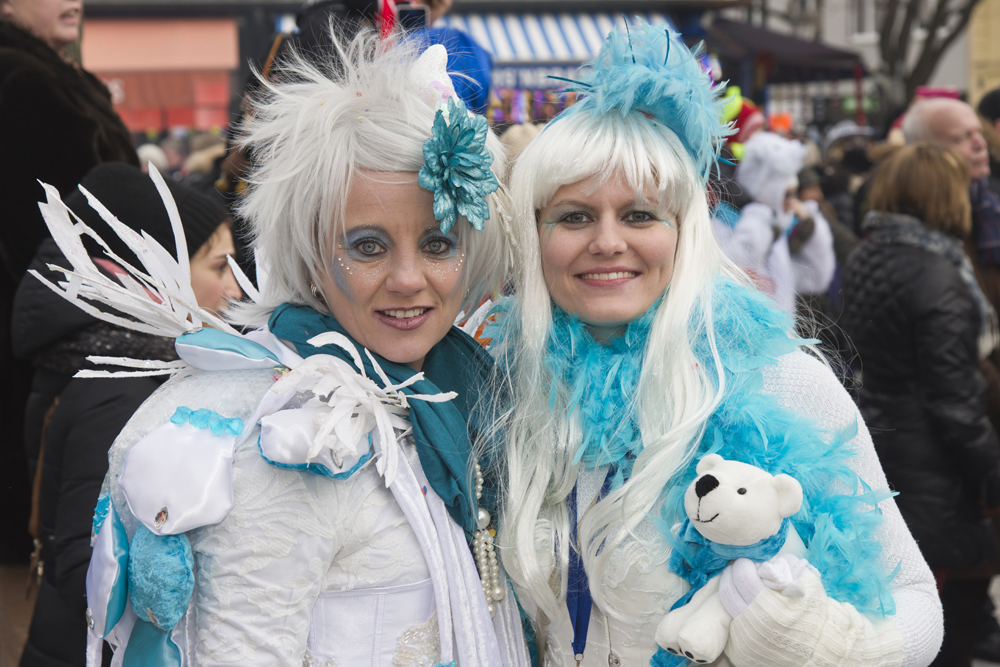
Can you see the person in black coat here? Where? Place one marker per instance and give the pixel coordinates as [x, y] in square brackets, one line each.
[77, 419]
[921, 324]
[58, 122]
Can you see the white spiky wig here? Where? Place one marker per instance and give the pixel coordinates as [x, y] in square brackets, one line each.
[675, 395]
[311, 130]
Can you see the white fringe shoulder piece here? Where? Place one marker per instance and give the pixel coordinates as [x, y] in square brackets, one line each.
[157, 300]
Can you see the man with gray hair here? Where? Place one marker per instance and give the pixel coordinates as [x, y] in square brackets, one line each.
[955, 124]
[949, 122]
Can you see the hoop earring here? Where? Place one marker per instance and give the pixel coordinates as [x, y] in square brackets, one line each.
[314, 290]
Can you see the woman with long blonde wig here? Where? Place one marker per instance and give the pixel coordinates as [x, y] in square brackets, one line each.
[632, 350]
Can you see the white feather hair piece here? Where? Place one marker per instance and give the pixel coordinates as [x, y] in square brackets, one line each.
[158, 300]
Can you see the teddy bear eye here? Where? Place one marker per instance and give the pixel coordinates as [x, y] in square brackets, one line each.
[741, 491]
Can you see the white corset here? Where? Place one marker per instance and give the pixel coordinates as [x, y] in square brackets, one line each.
[392, 626]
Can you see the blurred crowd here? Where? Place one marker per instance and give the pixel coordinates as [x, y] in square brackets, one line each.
[884, 244]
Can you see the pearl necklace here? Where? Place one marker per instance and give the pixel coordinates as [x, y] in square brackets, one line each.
[486, 555]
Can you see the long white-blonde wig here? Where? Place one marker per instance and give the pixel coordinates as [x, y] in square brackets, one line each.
[311, 131]
[675, 394]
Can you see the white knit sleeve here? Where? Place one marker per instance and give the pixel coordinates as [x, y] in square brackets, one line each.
[802, 383]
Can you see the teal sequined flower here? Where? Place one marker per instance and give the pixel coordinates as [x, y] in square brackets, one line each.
[457, 167]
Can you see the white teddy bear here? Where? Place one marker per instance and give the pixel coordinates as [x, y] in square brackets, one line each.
[732, 504]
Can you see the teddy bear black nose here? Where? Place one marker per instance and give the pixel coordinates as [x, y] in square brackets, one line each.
[705, 485]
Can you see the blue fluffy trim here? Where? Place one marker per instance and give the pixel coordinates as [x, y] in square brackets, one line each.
[648, 69]
[838, 529]
[160, 576]
[205, 418]
[607, 411]
[705, 559]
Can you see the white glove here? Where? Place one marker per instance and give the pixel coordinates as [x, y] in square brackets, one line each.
[782, 617]
[744, 579]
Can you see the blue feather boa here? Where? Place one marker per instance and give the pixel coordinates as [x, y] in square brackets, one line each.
[749, 426]
[607, 411]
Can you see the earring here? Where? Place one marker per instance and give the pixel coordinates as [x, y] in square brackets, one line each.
[314, 290]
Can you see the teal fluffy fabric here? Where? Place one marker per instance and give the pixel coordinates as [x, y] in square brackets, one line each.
[748, 426]
[160, 576]
[606, 411]
[101, 512]
[648, 70]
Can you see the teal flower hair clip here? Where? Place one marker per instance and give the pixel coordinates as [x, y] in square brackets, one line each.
[457, 167]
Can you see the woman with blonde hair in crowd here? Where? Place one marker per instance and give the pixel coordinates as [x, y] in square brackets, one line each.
[921, 325]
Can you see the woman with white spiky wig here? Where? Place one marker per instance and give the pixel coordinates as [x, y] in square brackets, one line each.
[305, 493]
[634, 350]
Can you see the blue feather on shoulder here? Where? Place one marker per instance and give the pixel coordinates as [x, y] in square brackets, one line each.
[839, 517]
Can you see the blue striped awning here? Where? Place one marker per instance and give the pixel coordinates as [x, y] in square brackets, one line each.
[540, 38]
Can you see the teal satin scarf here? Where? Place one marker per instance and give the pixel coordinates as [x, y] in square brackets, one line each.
[441, 430]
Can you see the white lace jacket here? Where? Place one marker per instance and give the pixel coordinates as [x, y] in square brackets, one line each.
[307, 570]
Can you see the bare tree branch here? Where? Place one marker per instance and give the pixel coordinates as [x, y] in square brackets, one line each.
[909, 21]
[886, 43]
[934, 48]
[947, 20]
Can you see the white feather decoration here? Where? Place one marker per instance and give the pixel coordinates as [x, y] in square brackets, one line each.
[158, 300]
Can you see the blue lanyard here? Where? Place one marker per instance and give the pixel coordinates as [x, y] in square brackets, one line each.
[579, 602]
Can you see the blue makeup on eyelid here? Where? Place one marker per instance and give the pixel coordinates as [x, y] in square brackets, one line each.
[669, 222]
[354, 238]
[451, 238]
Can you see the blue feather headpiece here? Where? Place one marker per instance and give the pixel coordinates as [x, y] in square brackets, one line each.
[648, 69]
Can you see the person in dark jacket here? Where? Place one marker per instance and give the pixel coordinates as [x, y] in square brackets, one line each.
[57, 122]
[921, 324]
[78, 419]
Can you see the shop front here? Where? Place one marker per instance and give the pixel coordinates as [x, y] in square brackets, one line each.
[533, 53]
[165, 73]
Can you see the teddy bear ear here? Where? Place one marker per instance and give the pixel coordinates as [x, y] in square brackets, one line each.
[708, 462]
[789, 494]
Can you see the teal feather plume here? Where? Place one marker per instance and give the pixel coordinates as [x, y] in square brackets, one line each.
[648, 69]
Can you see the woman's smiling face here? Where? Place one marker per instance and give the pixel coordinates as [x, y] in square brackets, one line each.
[396, 280]
[607, 253]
